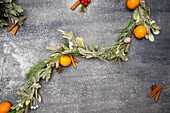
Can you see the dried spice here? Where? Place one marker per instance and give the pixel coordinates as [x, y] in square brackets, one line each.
[155, 90]
[59, 70]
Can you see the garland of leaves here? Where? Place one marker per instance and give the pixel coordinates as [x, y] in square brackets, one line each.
[10, 12]
[75, 46]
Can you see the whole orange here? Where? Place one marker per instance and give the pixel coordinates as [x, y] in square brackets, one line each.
[132, 4]
[140, 31]
[5, 107]
[65, 60]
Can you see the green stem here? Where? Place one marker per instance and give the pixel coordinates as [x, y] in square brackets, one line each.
[26, 109]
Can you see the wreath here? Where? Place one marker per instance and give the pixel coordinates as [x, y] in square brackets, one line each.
[62, 54]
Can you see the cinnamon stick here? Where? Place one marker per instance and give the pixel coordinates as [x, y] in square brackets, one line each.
[74, 65]
[15, 30]
[154, 91]
[158, 94]
[75, 60]
[12, 26]
[75, 5]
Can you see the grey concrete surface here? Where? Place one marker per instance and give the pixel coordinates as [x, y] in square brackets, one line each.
[95, 86]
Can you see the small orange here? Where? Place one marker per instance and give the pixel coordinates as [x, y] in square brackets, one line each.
[132, 4]
[5, 107]
[140, 31]
[65, 60]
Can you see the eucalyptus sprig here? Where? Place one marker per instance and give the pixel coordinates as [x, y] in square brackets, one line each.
[141, 17]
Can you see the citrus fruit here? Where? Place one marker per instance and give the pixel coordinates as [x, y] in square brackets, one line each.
[132, 4]
[65, 60]
[5, 107]
[140, 31]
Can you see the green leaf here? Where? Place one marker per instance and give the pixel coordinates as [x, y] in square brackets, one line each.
[20, 10]
[39, 98]
[136, 14]
[112, 57]
[127, 48]
[22, 93]
[82, 8]
[92, 47]
[57, 63]
[83, 51]
[147, 36]
[100, 52]
[89, 56]
[56, 55]
[67, 51]
[155, 26]
[9, 6]
[151, 37]
[155, 31]
[27, 102]
[7, 1]
[32, 93]
[123, 57]
[80, 41]
[13, 12]
[33, 79]
[51, 48]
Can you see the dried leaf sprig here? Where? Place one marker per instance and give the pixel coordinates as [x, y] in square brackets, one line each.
[30, 96]
[142, 18]
[10, 12]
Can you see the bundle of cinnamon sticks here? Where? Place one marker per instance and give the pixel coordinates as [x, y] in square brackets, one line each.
[15, 30]
[72, 60]
[155, 90]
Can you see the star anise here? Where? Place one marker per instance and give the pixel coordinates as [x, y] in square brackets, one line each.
[59, 70]
[153, 87]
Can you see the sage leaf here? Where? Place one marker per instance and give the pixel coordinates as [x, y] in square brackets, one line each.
[39, 98]
[135, 14]
[27, 102]
[80, 41]
[151, 37]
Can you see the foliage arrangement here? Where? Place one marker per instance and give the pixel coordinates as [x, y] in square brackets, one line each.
[75, 47]
[10, 13]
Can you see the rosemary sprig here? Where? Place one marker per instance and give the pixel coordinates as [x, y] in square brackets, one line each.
[34, 70]
[127, 30]
[116, 1]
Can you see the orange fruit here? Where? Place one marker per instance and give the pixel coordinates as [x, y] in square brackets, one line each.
[132, 4]
[5, 107]
[140, 31]
[65, 60]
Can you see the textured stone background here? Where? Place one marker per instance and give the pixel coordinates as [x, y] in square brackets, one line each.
[95, 86]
